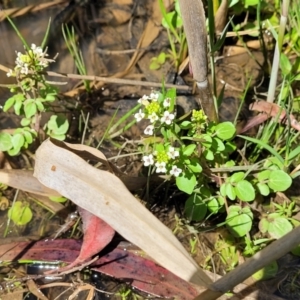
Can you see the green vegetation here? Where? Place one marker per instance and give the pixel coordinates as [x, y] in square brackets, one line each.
[200, 158]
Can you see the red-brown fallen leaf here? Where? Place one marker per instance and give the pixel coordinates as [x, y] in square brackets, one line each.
[142, 273]
[97, 235]
[270, 110]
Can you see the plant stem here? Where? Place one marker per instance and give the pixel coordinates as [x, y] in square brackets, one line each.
[278, 48]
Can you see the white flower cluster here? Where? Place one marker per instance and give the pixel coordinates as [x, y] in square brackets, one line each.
[162, 166]
[33, 59]
[154, 112]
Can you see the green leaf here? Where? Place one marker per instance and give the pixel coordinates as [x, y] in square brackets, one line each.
[28, 136]
[30, 108]
[161, 58]
[208, 154]
[223, 189]
[51, 97]
[278, 226]
[62, 127]
[195, 209]
[239, 222]
[217, 46]
[285, 64]
[18, 140]
[230, 191]
[59, 199]
[236, 177]
[186, 182]
[9, 103]
[263, 189]
[185, 124]
[206, 140]
[293, 154]
[213, 205]
[20, 213]
[188, 150]
[279, 181]
[39, 104]
[267, 272]
[17, 106]
[5, 141]
[170, 20]
[218, 145]
[25, 122]
[194, 165]
[245, 191]
[14, 151]
[225, 130]
[58, 126]
[263, 175]
[154, 64]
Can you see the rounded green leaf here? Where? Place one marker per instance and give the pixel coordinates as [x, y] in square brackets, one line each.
[206, 140]
[20, 213]
[30, 108]
[17, 106]
[194, 165]
[263, 225]
[185, 124]
[195, 209]
[39, 105]
[25, 122]
[9, 103]
[230, 191]
[186, 182]
[279, 181]
[51, 97]
[264, 175]
[188, 150]
[28, 137]
[285, 64]
[239, 224]
[225, 130]
[245, 191]
[5, 141]
[62, 127]
[267, 272]
[236, 177]
[279, 227]
[213, 205]
[218, 145]
[263, 189]
[14, 151]
[208, 154]
[18, 140]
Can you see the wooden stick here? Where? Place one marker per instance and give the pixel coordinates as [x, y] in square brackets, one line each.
[261, 259]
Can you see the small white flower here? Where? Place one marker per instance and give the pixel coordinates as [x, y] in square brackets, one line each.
[24, 69]
[149, 130]
[144, 100]
[167, 118]
[153, 117]
[172, 153]
[175, 171]
[10, 73]
[154, 96]
[167, 102]
[160, 167]
[148, 160]
[139, 116]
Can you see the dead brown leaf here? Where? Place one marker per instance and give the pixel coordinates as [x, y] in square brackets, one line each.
[104, 195]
